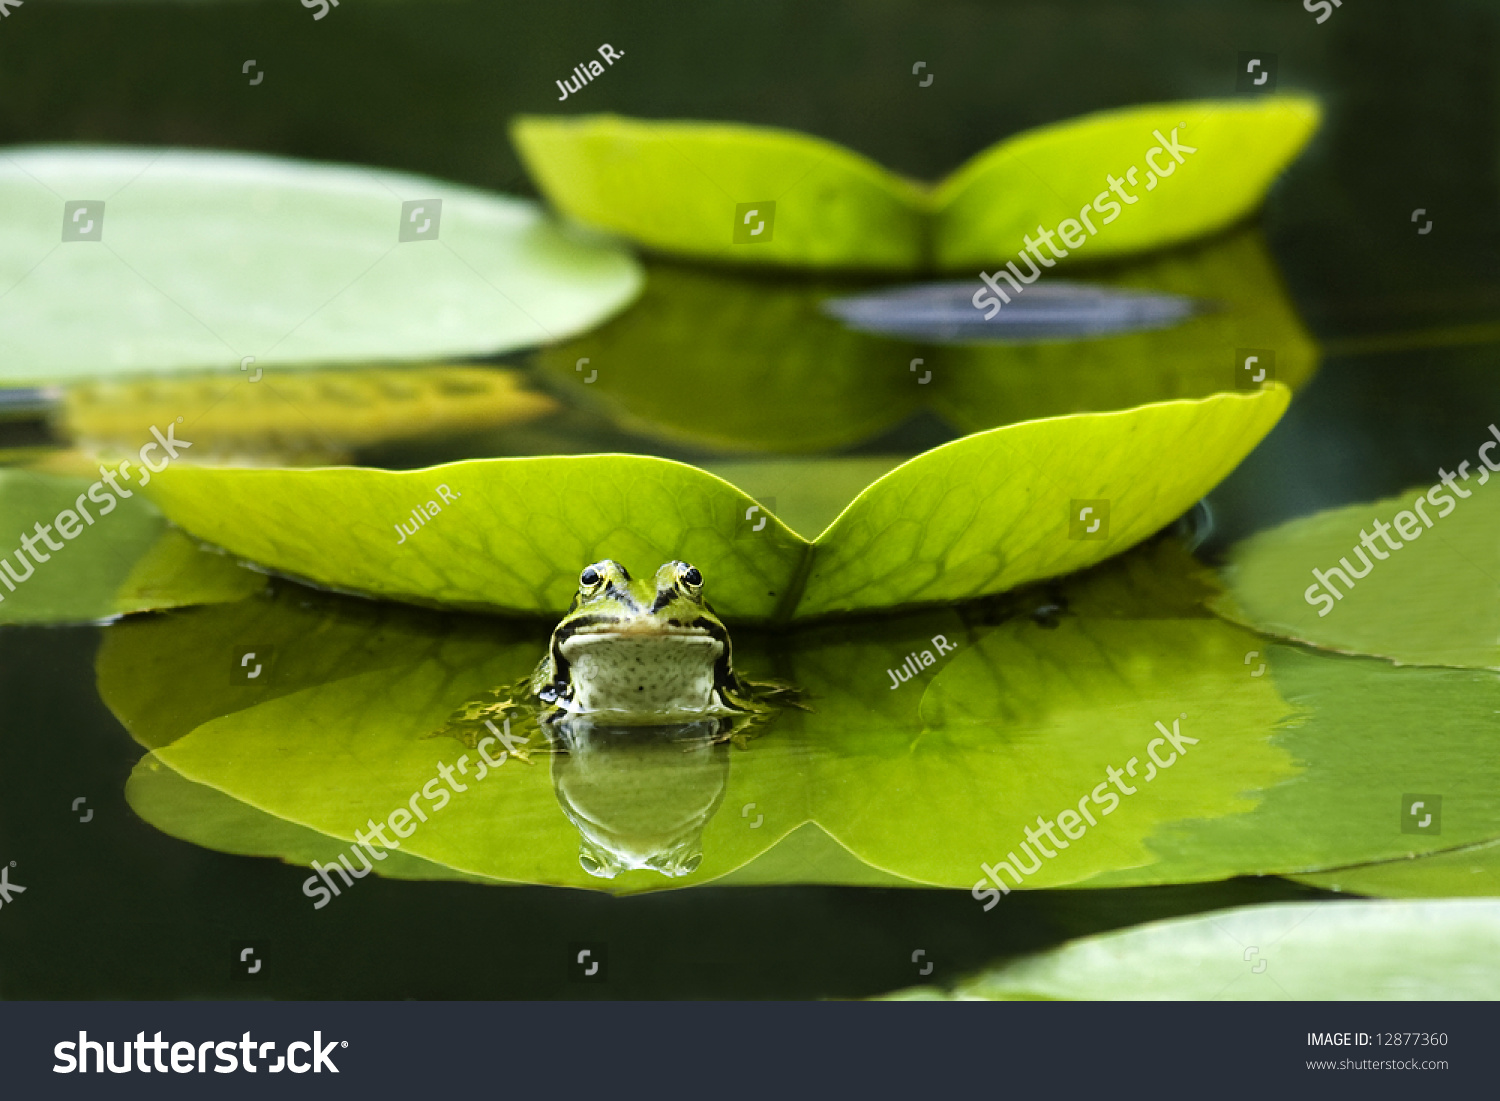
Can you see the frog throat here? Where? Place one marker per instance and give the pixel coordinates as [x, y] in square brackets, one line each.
[561, 691]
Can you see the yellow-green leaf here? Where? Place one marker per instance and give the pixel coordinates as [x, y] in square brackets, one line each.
[988, 512]
[1041, 177]
[689, 187]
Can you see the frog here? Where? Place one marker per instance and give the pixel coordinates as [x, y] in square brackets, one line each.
[641, 653]
[631, 653]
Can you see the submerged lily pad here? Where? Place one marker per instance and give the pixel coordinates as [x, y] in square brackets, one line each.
[1292, 951]
[179, 242]
[122, 560]
[296, 417]
[700, 189]
[1243, 305]
[1422, 594]
[973, 517]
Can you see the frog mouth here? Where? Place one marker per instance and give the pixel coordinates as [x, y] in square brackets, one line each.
[639, 630]
[603, 628]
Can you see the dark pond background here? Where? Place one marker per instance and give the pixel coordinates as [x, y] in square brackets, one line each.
[1407, 324]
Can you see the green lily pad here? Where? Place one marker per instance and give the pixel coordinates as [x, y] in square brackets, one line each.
[687, 187]
[341, 733]
[1363, 734]
[213, 820]
[1433, 601]
[808, 494]
[511, 534]
[1472, 870]
[121, 561]
[182, 240]
[1041, 177]
[995, 510]
[1291, 951]
[492, 534]
[916, 783]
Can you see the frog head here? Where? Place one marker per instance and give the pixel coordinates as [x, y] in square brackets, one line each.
[638, 651]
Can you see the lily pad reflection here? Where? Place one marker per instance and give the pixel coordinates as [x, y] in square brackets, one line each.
[734, 362]
[1026, 702]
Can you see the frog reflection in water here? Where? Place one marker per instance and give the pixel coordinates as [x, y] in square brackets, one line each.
[640, 796]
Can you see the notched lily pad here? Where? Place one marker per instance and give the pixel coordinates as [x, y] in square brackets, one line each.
[1000, 508]
[971, 518]
[756, 195]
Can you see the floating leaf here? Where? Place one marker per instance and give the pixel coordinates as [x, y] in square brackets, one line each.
[1364, 736]
[341, 732]
[973, 517]
[1472, 870]
[688, 187]
[1040, 178]
[182, 240]
[490, 534]
[1292, 951]
[1430, 602]
[808, 494]
[933, 742]
[994, 510]
[120, 561]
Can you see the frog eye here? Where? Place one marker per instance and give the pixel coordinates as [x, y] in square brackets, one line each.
[589, 577]
[691, 577]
